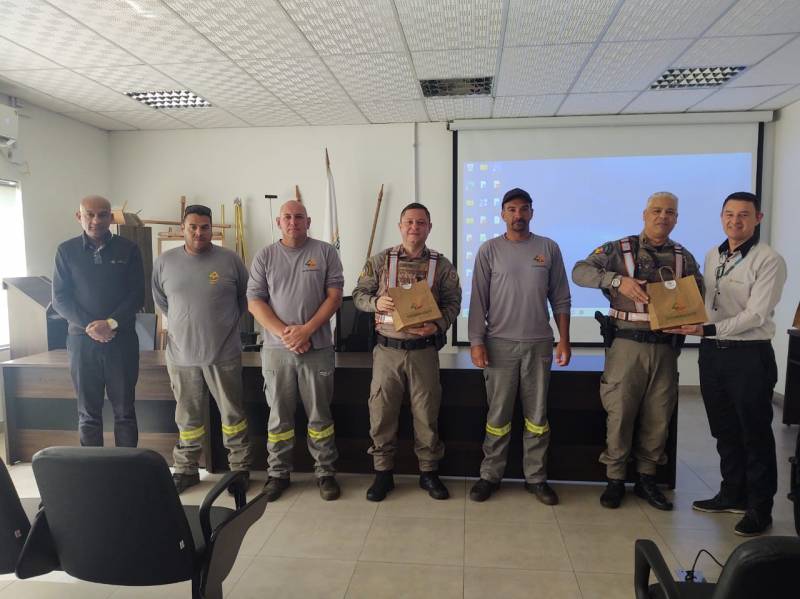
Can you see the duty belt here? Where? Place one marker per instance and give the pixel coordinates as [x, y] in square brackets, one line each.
[643, 336]
[730, 343]
[430, 341]
[630, 316]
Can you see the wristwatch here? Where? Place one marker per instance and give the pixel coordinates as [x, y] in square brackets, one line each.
[112, 324]
[616, 282]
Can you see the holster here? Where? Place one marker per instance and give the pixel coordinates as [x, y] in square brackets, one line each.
[607, 328]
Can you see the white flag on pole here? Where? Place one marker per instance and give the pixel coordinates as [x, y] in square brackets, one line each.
[331, 226]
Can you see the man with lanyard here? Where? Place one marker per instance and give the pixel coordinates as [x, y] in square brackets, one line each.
[517, 269]
[98, 287]
[744, 281]
[639, 387]
[295, 288]
[201, 288]
[407, 359]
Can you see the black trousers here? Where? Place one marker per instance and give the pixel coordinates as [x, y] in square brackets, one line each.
[737, 385]
[109, 368]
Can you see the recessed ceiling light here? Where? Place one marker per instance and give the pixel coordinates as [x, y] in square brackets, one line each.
[695, 77]
[176, 98]
[469, 86]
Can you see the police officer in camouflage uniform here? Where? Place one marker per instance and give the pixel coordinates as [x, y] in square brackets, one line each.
[639, 387]
[407, 359]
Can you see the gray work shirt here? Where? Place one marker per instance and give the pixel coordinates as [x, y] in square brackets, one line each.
[746, 292]
[294, 282]
[511, 284]
[203, 297]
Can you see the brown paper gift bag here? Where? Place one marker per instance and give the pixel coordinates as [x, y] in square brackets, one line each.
[413, 306]
[675, 303]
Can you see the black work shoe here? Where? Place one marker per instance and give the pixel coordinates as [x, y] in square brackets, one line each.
[274, 487]
[543, 492]
[242, 484]
[647, 489]
[718, 505]
[383, 483]
[482, 490]
[753, 524]
[184, 481]
[328, 488]
[612, 496]
[433, 485]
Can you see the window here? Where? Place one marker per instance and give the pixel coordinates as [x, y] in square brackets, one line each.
[12, 246]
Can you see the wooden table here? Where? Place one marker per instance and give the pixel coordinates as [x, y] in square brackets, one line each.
[41, 411]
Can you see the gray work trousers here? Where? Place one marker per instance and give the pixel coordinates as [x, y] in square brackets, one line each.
[191, 386]
[515, 365]
[290, 378]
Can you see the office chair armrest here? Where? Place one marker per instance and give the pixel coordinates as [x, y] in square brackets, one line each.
[205, 507]
[647, 557]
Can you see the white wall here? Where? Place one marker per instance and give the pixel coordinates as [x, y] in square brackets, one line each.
[66, 160]
[784, 225]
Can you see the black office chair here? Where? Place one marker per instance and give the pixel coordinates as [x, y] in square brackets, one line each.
[14, 522]
[767, 567]
[111, 515]
[794, 483]
[354, 328]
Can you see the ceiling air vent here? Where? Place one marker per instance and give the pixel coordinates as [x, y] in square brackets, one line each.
[469, 86]
[176, 98]
[695, 77]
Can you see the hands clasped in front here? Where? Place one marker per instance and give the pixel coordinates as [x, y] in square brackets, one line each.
[100, 331]
[296, 338]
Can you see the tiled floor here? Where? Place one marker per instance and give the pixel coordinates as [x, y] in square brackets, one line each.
[413, 546]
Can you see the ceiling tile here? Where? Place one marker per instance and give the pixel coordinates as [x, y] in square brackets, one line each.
[788, 97]
[656, 19]
[272, 115]
[347, 26]
[739, 98]
[33, 96]
[297, 80]
[207, 117]
[445, 109]
[39, 26]
[13, 56]
[146, 119]
[757, 17]
[533, 22]
[732, 51]
[331, 113]
[781, 67]
[627, 66]
[221, 83]
[75, 88]
[521, 106]
[605, 103]
[455, 63]
[395, 111]
[245, 29]
[145, 28]
[667, 100]
[539, 70]
[368, 77]
[134, 78]
[100, 121]
[450, 24]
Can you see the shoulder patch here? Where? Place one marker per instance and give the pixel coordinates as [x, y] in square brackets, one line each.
[604, 249]
[367, 271]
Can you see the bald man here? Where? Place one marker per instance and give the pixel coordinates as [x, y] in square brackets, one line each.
[98, 287]
[295, 288]
[639, 387]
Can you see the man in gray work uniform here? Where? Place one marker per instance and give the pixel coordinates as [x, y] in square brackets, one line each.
[295, 288]
[639, 387]
[518, 271]
[201, 288]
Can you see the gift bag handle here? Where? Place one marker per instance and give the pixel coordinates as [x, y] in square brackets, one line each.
[670, 284]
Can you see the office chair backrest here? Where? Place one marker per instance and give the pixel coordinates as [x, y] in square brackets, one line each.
[114, 516]
[14, 524]
[767, 567]
[354, 329]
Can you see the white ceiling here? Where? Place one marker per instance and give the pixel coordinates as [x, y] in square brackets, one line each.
[323, 62]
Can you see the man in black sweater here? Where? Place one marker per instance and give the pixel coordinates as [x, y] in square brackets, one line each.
[98, 286]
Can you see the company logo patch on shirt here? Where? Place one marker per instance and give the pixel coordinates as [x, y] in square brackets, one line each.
[310, 265]
[213, 277]
[118, 261]
[538, 260]
[604, 249]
